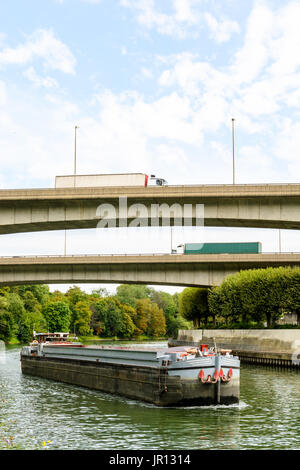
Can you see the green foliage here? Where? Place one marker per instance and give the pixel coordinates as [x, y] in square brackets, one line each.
[57, 315]
[130, 293]
[156, 322]
[176, 323]
[81, 318]
[143, 312]
[107, 316]
[193, 305]
[25, 330]
[74, 295]
[39, 292]
[166, 302]
[128, 327]
[7, 326]
[256, 297]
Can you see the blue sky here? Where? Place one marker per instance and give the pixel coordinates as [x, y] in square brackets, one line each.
[153, 86]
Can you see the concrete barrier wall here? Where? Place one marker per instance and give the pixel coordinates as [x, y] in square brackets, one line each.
[246, 340]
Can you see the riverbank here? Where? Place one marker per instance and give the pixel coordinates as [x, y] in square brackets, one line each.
[277, 347]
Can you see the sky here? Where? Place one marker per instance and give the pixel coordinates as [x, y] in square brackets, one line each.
[153, 86]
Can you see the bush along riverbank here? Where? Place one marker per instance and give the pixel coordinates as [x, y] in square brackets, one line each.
[257, 298]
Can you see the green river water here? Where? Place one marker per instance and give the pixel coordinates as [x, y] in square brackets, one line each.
[34, 411]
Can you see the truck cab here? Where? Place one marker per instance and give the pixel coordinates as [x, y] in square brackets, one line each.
[154, 181]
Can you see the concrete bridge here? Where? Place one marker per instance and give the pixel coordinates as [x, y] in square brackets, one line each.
[177, 270]
[261, 206]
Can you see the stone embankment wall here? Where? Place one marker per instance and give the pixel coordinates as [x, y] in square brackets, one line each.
[272, 347]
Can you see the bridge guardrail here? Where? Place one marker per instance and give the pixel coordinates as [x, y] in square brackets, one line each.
[146, 254]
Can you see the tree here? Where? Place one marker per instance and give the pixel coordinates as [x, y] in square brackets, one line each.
[57, 295]
[143, 313]
[156, 326]
[292, 293]
[39, 292]
[81, 318]
[7, 328]
[176, 323]
[31, 304]
[114, 320]
[128, 327]
[107, 316]
[130, 293]
[193, 305]
[74, 295]
[57, 315]
[257, 296]
[170, 306]
[23, 329]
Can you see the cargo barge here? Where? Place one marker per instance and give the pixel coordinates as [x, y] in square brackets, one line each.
[179, 376]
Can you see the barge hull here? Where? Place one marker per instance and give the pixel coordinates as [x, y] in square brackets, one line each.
[149, 384]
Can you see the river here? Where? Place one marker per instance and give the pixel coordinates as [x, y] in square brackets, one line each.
[37, 413]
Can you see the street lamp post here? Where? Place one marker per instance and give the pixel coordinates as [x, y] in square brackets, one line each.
[233, 160]
[75, 152]
[75, 163]
[279, 240]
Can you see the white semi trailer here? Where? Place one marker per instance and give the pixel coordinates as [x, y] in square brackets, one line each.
[122, 179]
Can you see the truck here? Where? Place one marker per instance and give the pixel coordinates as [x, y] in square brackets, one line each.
[219, 248]
[96, 181]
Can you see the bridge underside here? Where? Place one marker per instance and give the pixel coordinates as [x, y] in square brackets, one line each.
[172, 270]
[258, 206]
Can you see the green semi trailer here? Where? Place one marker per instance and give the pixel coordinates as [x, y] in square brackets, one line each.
[218, 248]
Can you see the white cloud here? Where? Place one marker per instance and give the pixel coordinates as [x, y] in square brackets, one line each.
[262, 78]
[251, 58]
[146, 73]
[253, 165]
[2, 93]
[38, 81]
[42, 44]
[175, 23]
[95, 2]
[287, 144]
[221, 30]
[2, 38]
[184, 19]
[183, 11]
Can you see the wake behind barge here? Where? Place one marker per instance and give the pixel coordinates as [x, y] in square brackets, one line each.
[180, 376]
